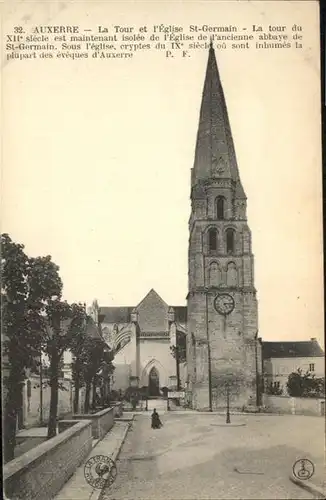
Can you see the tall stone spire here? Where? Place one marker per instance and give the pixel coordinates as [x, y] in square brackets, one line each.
[222, 343]
[215, 154]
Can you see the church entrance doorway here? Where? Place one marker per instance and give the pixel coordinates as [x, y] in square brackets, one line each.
[154, 382]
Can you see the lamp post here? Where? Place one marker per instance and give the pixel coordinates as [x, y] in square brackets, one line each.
[257, 374]
[41, 389]
[228, 420]
[209, 355]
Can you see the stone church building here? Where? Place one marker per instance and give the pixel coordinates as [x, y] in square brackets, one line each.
[220, 320]
[141, 337]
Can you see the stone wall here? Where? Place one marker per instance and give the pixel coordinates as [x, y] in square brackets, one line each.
[294, 406]
[122, 371]
[31, 400]
[102, 421]
[63, 425]
[41, 473]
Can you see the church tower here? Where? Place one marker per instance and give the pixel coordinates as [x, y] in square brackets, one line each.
[223, 355]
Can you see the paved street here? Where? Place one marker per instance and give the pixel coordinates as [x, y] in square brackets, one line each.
[199, 456]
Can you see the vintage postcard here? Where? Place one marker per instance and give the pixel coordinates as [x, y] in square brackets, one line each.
[161, 250]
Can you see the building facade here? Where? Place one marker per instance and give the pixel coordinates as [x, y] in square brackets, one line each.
[280, 359]
[141, 337]
[224, 352]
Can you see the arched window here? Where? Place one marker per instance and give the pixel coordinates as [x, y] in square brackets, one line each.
[214, 274]
[232, 274]
[212, 239]
[230, 239]
[220, 207]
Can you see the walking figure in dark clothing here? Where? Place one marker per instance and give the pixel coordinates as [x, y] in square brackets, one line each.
[156, 422]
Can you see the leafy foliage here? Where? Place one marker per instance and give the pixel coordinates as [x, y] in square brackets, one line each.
[179, 350]
[273, 390]
[28, 284]
[36, 320]
[301, 384]
[63, 324]
[165, 391]
[92, 365]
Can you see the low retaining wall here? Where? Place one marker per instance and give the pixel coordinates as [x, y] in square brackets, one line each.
[42, 472]
[63, 425]
[23, 445]
[22, 439]
[102, 421]
[294, 406]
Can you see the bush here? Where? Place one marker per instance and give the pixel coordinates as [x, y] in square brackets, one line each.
[114, 396]
[132, 394]
[165, 391]
[305, 385]
[273, 390]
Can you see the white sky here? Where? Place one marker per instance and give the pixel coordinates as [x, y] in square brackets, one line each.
[97, 158]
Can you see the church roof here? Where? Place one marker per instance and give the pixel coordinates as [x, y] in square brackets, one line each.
[150, 296]
[300, 349]
[215, 154]
[122, 314]
[116, 314]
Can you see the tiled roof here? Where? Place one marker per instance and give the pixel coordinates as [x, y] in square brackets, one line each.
[122, 314]
[116, 314]
[301, 349]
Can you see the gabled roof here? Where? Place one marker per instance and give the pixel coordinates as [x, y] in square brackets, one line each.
[151, 295]
[122, 314]
[301, 349]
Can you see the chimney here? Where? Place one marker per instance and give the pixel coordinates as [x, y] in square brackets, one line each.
[313, 339]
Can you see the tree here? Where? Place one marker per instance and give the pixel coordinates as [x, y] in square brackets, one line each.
[105, 371]
[80, 347]
[179, 351]
[306, 384]
[97, 361]
[27, 285]
[62, 324]
[295, 384]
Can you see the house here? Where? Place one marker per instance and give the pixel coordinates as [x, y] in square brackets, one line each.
[282, 358]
